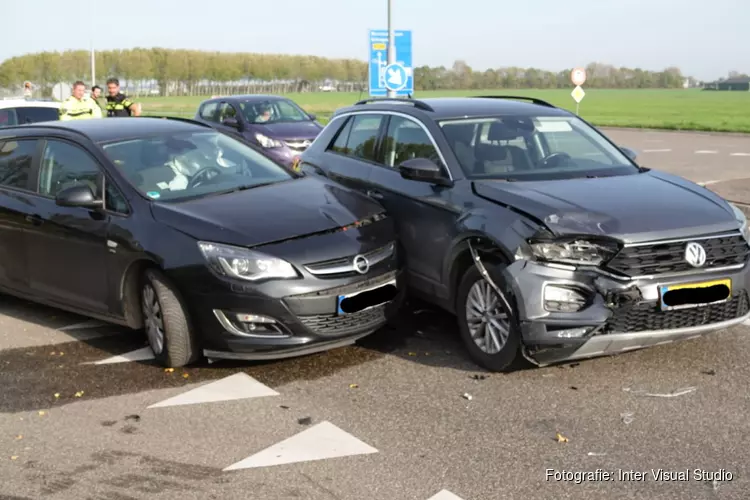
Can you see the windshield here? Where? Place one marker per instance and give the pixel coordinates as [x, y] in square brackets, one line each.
[272, 111]
[533, 148]
[193, 164]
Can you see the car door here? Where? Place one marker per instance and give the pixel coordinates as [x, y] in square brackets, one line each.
[17, 156]
[424, 213]
[67, 246]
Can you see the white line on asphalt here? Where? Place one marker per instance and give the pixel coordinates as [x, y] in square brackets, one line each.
[143, 354]
[445, 495]
[746, 322]
[739, 154]
[237, 386]
[657, 150]
[319, 442]
[86, 324]
[706, 152]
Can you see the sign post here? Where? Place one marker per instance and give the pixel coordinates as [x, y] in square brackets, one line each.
[388, 78]
[578, 77]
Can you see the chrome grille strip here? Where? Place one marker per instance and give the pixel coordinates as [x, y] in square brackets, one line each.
[346, 265]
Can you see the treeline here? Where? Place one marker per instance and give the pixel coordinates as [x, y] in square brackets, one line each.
[192, 72]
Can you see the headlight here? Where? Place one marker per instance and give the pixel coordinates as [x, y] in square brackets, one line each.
[742, 219]
[579, 252]
[267, 142]
[241, 263]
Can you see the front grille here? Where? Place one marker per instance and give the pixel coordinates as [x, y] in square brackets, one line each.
[667, 258]
[337, 268]
[646, 316]
[331, 325]
[298, 145]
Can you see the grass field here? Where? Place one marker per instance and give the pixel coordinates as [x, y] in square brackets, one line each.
[664, 109]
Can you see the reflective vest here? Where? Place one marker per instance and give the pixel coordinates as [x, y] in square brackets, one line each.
[74, 109]
[119, 105]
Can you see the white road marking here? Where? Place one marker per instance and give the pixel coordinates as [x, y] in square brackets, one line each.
[445, 495]
[708, 183]
[657, 150]
[94, 323]
[739, 154]
[319, 442]
[237, 386]
[706, 152]
[143, 354]
[746, 322]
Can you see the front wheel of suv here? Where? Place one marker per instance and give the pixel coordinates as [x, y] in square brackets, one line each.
[488, 327]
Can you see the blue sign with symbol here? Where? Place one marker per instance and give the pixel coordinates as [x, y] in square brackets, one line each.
[398, 77]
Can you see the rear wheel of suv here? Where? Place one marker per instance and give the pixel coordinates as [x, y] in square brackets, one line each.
[488, 327]
[166, 323]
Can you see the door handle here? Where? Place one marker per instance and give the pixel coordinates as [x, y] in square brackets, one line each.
[34, 219]
[375, 194]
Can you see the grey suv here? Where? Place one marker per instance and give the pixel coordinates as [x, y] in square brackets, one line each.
[545, 239]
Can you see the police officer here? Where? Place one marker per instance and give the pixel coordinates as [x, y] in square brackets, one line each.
[77, 106]
[118, 104]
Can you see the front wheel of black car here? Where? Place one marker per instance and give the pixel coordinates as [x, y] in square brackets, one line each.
[166, 323]
[488, 327]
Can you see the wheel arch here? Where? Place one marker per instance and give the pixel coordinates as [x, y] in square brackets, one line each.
[130, 290]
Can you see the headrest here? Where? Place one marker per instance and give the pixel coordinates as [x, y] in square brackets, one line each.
[509, 129]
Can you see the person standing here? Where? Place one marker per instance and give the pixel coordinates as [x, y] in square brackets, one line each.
[96, 95]
[78, 106]
[118, 104]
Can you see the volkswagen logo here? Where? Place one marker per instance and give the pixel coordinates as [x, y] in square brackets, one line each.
[695, 254]
[361, 265]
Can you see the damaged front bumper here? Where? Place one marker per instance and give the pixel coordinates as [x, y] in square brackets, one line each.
[566, 313]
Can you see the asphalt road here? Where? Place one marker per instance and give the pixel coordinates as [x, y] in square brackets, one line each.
[402, 415]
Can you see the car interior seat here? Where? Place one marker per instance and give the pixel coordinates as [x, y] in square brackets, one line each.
[497, 158]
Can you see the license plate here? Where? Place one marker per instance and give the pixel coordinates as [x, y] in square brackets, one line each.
[695, 294]
[369, 299]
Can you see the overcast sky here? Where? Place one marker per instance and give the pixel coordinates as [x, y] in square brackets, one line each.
[704, 39]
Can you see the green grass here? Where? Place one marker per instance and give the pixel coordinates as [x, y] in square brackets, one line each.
[661, 109]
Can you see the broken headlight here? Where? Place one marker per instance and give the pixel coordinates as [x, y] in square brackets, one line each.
[742, 219]
[576, 252]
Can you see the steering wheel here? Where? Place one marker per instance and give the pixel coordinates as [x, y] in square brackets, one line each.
[554, 158]
[198, 178]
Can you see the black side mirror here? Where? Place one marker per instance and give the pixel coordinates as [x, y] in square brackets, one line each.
[312, 116]
[78, 196]
[423, 170]
[231, 122]
[629, 153]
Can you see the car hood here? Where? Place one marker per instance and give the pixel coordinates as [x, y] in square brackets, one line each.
[268, 214]
[289, 130]
[632, 208]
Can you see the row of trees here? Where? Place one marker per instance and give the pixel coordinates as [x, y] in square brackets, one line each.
[186, 72]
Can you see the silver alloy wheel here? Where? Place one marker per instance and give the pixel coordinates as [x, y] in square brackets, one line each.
[486, 318]
[152, 319]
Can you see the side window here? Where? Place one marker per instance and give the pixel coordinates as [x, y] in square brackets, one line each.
[38, 114]
[114, 200]
[363, 135]
[15, 163]
[406, 140]
[226, 110]
[65, 165]
[339, 144]
[208, 111]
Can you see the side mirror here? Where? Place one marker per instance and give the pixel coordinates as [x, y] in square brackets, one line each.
[231, 122]
[629, 153]
[423, 170]
[312, 116]
[78, 196]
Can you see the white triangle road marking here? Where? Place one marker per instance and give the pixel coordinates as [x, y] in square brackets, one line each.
[94, 323]
[445, 495]
[319, 442]
[143, 354]
[237, 386]
[746, 322]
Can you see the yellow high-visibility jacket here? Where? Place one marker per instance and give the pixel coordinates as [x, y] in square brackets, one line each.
[74, 109]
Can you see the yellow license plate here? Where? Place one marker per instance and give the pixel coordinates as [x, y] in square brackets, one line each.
[696, 286]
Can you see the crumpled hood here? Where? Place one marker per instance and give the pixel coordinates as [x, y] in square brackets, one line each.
[267, 214]
[289, 130]
[642, 207]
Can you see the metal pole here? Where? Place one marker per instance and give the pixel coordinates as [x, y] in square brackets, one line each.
[93, 65]
[391, 45]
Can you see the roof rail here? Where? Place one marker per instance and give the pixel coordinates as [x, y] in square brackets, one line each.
[523, 98]
[179, 119]
[415, 102]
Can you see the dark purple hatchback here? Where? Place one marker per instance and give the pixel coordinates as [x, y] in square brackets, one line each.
[274, 123]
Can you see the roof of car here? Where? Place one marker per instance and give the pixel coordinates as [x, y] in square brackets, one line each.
[28, 103]
[248, 98]
[112, 129]
[461, 107]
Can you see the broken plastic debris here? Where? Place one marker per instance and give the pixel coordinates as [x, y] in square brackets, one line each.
[560, 438]
[353, 386]
[627, 418]
[467, 396]
[673, 394]
[596, 454]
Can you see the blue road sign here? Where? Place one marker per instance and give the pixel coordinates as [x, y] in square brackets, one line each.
[379, 70]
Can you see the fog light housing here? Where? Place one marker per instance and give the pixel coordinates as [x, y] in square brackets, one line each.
[563, 299]
[574, 333]
[250, 325]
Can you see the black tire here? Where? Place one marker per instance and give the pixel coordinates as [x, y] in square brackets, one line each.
[179, 344]
[509, 356]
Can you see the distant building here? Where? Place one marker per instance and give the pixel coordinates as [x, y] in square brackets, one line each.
[740, 83]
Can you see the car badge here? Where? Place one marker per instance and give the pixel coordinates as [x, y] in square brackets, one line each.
[695, 254]
[361, 264]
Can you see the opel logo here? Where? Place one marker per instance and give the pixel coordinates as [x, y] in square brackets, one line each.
[361, 265]
[695, 254]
